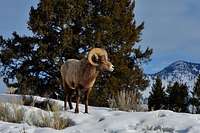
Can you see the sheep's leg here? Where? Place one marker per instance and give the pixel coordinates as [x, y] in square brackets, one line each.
[87, 93]
[70, 99]
[77, 100]
[65, 96]
[65, 101]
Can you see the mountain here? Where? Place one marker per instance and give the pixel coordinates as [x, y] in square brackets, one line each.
[181, 71]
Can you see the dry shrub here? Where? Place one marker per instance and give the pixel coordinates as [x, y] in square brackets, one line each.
[52, 120]
[54, 107]
[11, 90]
[15, 114]
[50, 105]
[28, 100]
[46, 104]
[125, 100]
[10, 113]
[3, 112]
[61, 123]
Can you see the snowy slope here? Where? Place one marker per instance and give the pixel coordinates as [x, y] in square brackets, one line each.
[105, 120]
[181, 71]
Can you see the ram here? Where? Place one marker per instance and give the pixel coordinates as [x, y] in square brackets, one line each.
[82, 74]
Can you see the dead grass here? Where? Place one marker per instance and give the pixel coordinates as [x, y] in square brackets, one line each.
[11, 113]
[61, 123]
[54, 121]
[125, 101]
[11, 90]
[15, 114]
[47, 104]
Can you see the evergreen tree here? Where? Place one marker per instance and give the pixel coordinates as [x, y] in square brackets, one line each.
[64, 29]
[157, 98]
[197, 87]
[178, 98]
[195, 100]
[117, 17]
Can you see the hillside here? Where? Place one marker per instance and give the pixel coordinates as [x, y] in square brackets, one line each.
[181, 71]
[105, 120]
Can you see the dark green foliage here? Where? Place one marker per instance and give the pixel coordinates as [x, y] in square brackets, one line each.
[194, 102]
[195, 99]
[197, 87]
[64, 29]
[157, 99]
[178, 98]
[120, 40]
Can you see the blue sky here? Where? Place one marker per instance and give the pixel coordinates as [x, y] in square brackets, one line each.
[13, 17]
[172, 28]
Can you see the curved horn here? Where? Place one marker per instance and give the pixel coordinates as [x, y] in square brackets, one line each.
[96, 52]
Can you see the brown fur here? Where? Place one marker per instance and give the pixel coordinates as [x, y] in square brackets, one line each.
[81, 74]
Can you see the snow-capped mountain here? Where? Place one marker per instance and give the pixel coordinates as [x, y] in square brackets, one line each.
[181, 71]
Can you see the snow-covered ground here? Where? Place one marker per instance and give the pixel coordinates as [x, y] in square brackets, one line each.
[105, 120]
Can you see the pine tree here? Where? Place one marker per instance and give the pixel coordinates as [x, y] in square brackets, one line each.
[178, 98]
[157, 98]
[196, 96]
[197, 87]
[64, 29]
[122, 35]
[34, 62]
[194, 102]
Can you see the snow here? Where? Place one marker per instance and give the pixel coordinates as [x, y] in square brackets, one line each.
[180, 71]
[106, 120]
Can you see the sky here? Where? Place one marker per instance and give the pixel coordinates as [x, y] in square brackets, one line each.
[172, 28]
[13, 17]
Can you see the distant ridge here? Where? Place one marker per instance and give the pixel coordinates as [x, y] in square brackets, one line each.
[181, 71]
[179, 68]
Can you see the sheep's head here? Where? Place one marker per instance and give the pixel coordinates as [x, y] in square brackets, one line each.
[102, 59]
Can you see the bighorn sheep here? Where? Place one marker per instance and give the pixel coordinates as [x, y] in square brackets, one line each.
[81, 74]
